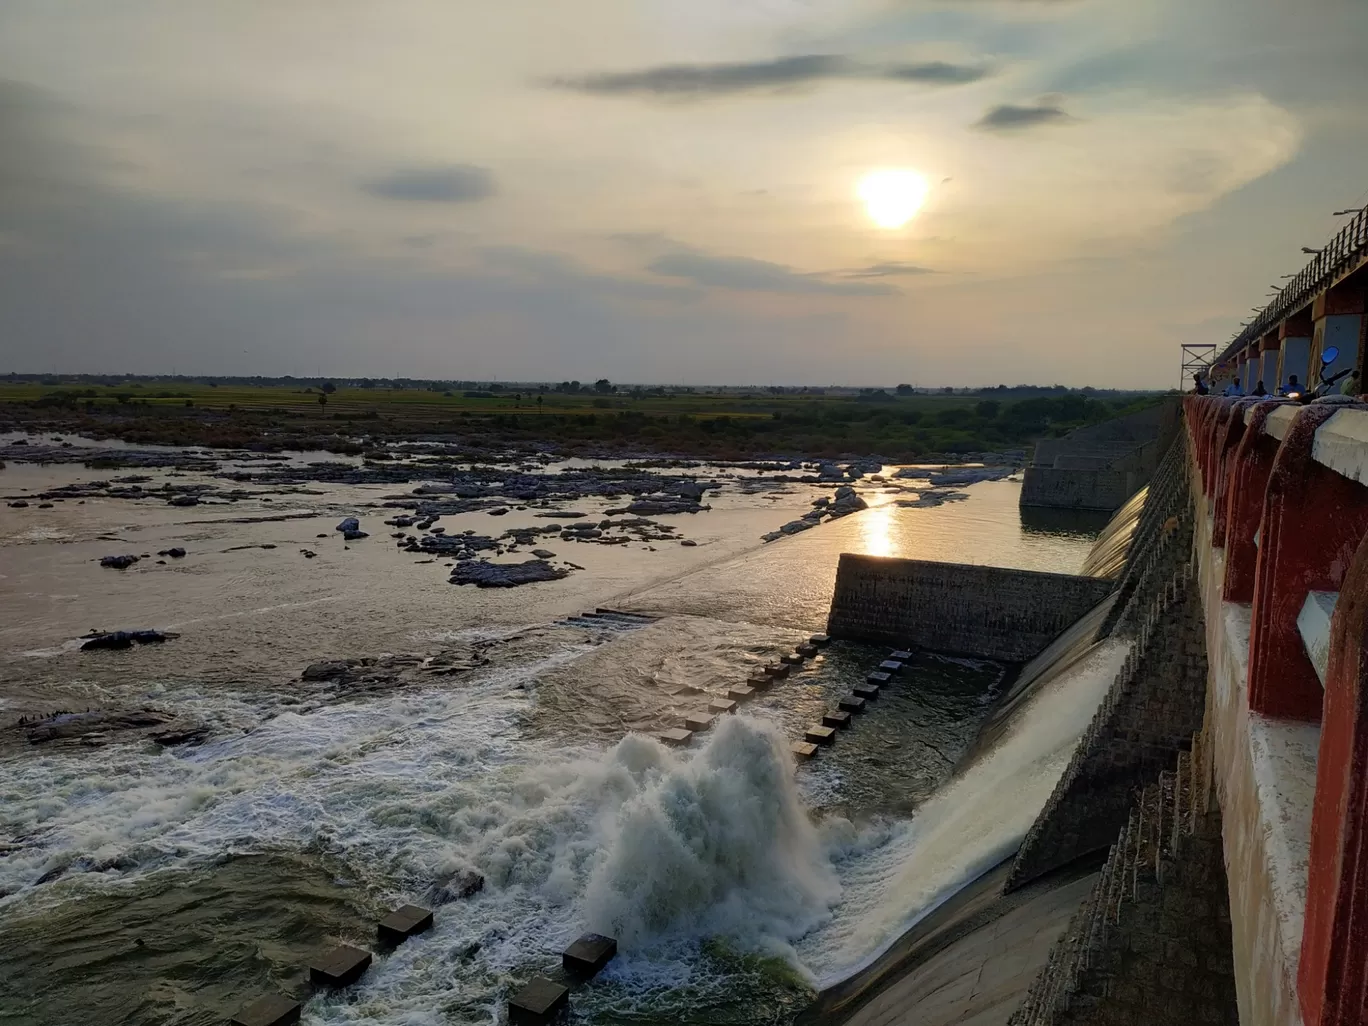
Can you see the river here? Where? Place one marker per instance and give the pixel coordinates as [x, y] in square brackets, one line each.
[491, 732]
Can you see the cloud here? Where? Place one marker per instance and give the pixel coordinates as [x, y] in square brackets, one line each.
[936, 72]
[744, 274]
[888, 269]
[550, 268]
[454, 183]
[699, 80]
[1006, 117]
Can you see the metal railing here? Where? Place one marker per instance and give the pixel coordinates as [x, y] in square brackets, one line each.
[1348, 246]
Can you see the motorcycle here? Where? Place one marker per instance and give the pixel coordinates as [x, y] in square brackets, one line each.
[1327, 381]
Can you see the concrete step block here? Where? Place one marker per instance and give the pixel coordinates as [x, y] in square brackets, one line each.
[820, 640]
[792, 658]
[820, 735]
[900, 655]
[778, 669]
[759, 682]
[891, 666]
[722, 705]
[851, 703]
[803, 750]
[403, 923]
[807, 651]
[740, 693]
[879, 677]
[539, 1002]
[839, 720]
[675, 737]
[588, 954]
[268, 1010]
[698, 721]
[339, 966]
[866, 691]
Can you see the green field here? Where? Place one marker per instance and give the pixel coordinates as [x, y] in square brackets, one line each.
[730, 423]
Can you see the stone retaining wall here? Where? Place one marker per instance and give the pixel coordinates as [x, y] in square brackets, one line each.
[1157, 700]
[1079, 488]
[981, 611]
[1150, 946]
[1146, 719]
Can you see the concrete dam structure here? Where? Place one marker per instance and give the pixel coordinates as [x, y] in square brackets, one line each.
[1203, 855]
[1099, 467]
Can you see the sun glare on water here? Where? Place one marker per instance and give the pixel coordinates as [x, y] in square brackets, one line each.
[892, 197]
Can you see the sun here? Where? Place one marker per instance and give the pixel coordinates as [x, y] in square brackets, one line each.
[892, 196]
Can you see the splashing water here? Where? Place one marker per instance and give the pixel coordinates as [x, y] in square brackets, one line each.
[717, 845]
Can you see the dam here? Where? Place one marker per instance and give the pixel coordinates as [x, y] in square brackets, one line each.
[1200, 857]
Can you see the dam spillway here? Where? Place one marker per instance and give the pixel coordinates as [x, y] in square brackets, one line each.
[1210, 817]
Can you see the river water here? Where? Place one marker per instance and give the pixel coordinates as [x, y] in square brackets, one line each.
[142, 884]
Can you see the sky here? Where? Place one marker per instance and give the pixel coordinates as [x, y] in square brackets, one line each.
[663, 190]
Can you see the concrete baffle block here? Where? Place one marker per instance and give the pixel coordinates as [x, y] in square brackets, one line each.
[539, 1002]
[268, 1010]
[839, 720]
[722, 705]
[740, 693]
[891, 666]
[792, 658]
[807, 651]
[403, 923]
[339, 966]
[698, 721]
[759, 682]
[900, 655]
[820, 640]
[819, 735]
[852, 703]
[588, 954]
[879, 677]
[803, 750]
[866, 691]
[778, 669]
[675, 737]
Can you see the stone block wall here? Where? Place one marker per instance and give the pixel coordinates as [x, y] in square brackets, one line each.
[1079, 488]
[1147, 717]
[1151, 945]
[1102, 466]
[1161, 542]
[981, 611]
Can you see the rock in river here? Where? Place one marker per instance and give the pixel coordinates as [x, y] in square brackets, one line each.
[124, 639]
[325, 671]
[348, 525]
[118, 562]
[484, 574]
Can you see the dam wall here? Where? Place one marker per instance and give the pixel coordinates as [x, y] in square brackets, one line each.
[1150, 945]
[1147, 718]
[1101, 466]
[984, 611]
[1080, 488]
[1266, 626]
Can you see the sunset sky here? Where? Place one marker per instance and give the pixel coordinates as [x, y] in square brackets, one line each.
[664, 190]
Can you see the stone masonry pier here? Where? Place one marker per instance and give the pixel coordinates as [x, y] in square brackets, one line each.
[982, 611]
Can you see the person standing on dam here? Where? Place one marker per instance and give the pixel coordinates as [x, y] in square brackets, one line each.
[1259, 389]
[1292, 388]
[1199, 387]
[1234, 389]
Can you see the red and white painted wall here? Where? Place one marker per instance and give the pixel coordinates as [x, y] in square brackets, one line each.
[1282, 551]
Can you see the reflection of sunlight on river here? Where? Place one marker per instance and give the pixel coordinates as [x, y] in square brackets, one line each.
[876, 538]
